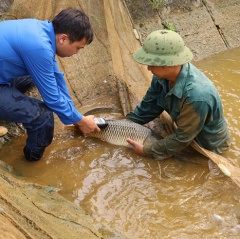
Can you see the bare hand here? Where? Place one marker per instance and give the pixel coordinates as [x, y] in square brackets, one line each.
[87, 125]
[137, 147]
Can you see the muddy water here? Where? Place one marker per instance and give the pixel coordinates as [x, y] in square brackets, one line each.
[140, 197]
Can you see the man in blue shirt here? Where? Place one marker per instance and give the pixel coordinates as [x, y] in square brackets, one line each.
[184, 92]
[27, 58]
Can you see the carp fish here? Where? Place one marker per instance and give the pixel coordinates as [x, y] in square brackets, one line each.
[116, 132]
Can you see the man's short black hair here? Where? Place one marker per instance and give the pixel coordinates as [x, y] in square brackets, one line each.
[74, 23]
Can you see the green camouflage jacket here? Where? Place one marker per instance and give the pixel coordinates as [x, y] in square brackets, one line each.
[194, 105]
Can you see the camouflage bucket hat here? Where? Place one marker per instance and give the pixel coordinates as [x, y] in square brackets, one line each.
[163, 48]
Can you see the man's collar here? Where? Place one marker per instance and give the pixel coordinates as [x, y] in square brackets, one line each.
[177, 90]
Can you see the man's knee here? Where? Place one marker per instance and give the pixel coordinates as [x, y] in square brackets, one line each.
[23, 83]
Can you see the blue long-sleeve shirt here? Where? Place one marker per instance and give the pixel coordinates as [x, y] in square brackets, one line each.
[194, 105]
[28, 47]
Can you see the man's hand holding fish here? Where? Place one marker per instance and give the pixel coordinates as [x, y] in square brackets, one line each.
[137, 147]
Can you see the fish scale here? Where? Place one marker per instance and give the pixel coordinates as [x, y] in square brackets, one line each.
[117, 131]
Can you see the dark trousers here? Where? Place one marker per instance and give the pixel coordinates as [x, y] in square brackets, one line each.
[35, 116]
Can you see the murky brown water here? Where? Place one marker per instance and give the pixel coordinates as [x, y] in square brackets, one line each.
[139, 197]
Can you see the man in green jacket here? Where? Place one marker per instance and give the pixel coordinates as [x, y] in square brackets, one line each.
[184, 92]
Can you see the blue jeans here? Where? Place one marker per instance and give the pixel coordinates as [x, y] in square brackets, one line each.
[35, 116]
